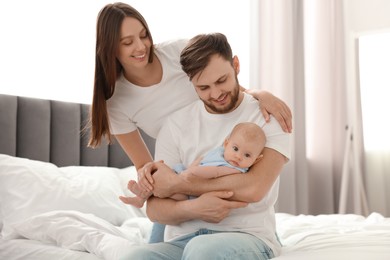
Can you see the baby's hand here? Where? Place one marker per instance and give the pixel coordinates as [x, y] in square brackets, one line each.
[196, 162]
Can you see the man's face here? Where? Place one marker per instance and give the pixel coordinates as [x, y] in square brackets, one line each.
[217, 86]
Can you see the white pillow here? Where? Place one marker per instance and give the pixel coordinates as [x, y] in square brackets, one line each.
[29, 187]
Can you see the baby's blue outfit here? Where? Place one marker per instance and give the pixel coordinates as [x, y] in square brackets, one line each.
[212, 158]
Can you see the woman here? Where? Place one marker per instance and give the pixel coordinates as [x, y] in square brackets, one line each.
[138, 84]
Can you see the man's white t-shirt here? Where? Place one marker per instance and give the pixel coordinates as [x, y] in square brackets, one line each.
[133, 106]
[191, 132]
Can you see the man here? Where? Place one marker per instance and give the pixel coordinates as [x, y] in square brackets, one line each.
[233, 217]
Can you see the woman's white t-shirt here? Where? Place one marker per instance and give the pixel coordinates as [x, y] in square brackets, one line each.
[132, 106]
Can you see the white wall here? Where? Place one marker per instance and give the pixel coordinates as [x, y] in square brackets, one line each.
[362, 17]
[367, 15]
[47, 46]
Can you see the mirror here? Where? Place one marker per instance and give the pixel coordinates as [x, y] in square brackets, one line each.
[374, 81]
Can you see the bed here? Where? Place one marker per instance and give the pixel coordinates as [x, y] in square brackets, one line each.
[59, 198]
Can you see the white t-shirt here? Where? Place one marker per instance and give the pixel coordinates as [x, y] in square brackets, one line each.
[191, 132]
[133, 106]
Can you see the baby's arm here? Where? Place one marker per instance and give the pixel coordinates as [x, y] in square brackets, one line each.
[196, 162]
[209, 172]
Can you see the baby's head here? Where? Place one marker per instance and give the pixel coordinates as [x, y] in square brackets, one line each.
[244, 145]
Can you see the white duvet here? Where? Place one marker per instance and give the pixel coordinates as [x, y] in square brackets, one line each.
[50, 212]
[85, 232]
[303, 237]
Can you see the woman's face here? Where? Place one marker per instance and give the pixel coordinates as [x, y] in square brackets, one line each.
[134, 44]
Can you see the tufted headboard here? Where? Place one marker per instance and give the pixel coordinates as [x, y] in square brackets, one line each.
[51, 131]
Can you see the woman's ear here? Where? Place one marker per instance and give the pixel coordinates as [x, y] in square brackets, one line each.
[236, 64]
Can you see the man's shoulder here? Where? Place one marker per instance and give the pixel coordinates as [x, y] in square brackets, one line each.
[185, 113]
[249, 99]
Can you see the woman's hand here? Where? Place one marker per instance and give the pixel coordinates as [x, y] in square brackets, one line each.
[271, 105]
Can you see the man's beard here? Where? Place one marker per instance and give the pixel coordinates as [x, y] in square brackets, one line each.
[229, 107]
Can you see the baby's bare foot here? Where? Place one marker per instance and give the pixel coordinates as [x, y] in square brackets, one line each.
[135, 188]
[134, 201]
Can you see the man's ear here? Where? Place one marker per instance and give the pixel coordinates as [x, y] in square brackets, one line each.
[236, 64]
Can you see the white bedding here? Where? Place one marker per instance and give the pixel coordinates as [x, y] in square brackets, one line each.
[73, 213]
[334, 236]
[85, 232]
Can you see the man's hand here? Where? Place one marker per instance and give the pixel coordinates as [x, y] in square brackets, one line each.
[165, 180]
[213, 207]
[145, 179]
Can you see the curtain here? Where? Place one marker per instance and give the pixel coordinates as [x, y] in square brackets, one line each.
[298, 54]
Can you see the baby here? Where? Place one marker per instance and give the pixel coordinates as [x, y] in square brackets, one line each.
[240, 150]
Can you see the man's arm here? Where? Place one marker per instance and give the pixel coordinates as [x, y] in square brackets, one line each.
[249, 187]
[211, 207]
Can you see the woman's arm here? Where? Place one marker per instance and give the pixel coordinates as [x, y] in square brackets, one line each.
[137, 151]
[135, 148]
[271, 105]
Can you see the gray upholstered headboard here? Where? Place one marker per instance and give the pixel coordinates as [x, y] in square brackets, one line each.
[50, 131]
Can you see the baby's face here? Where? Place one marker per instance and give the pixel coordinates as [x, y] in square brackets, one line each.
[241, 153]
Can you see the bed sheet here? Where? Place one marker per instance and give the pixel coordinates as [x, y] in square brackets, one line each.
[25, 249]
[303, 237]
[49, 212]
[334, 236]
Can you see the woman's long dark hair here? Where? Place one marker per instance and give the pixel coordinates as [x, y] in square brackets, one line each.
[107, 66]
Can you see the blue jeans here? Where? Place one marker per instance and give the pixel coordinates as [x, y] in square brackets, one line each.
[204, 244]
[157, 234]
